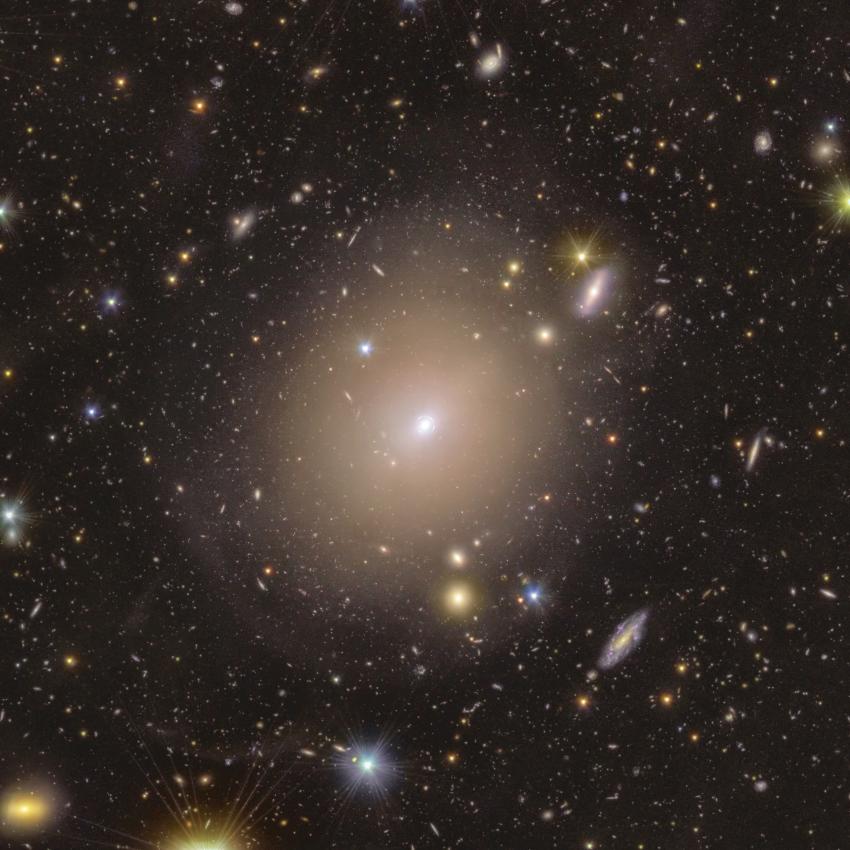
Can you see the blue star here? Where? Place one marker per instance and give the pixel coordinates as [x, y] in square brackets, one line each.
[533, 594]
[110, 302]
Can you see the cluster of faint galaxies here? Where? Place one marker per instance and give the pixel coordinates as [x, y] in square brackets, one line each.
[406, 428]
[442, 380]
[38, 807]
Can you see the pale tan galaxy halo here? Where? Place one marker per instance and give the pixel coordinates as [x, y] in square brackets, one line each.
[435, 433]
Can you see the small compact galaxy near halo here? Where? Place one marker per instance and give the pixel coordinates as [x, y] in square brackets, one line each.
[423, 424]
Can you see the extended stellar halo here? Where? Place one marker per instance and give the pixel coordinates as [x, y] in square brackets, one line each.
[415, 414]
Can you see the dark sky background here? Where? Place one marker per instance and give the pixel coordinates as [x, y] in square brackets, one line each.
[158, 366]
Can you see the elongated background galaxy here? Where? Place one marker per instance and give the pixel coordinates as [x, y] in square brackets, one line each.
[423, 425]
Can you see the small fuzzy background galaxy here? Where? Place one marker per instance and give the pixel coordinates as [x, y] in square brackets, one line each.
[423, 424]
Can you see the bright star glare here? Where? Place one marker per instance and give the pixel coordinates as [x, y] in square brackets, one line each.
[532, 594]
[204, 844]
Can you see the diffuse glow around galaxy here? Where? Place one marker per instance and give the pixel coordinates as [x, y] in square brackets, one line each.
[403, 436]
[422, 433]
[422, 424]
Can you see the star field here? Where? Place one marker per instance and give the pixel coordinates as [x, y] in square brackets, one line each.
[423, 425]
